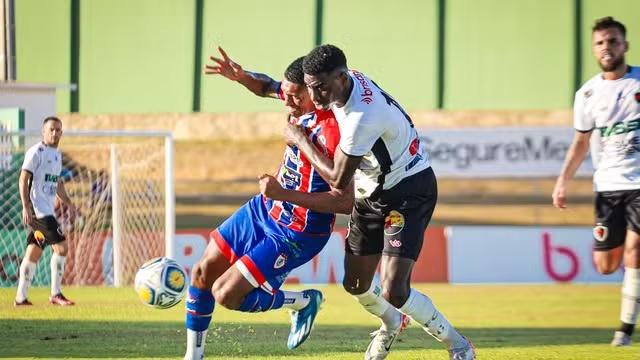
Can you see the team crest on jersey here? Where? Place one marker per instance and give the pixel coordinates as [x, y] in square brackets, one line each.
[281, 260]
[587, 94]
[393, 223]
[638, 97]
[600, 232]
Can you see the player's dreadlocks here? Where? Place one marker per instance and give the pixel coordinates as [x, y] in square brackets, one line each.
[324, 58]
[609, 22]
[294, 72]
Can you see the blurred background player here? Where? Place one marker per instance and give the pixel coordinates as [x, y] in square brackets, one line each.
[251, 253]
[609, 106]
[40, 184]
[396, 194]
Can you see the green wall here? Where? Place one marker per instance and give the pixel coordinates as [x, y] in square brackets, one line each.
[394, 45]
[261, 36]
[140, 55]
[42, 46]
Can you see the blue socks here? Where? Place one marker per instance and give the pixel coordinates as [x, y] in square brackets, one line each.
[259, 300]
[200, 306]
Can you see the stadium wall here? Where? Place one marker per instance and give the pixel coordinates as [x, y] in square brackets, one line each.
[145, 56]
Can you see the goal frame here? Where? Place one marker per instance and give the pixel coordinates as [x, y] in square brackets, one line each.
[169, 187]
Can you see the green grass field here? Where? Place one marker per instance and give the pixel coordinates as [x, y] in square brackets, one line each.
[504, 322]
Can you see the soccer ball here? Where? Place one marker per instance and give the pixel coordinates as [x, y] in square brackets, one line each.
[161, 283]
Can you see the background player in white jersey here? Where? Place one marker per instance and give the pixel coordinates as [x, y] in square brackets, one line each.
[40, 184]
[396, 193]
[607, 117]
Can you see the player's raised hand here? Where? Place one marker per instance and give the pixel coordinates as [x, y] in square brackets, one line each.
[293, 134]
[225, 67]
[559, 195]
[270, 187]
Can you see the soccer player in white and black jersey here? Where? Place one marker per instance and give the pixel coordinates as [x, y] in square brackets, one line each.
[40, 184]
[396, 194]
[607, 118]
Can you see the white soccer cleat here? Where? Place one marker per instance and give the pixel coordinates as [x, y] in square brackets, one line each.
[621, 339]
[380, 345]
[467, 352]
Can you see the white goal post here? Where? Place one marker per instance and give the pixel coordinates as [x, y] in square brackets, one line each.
[122, 182]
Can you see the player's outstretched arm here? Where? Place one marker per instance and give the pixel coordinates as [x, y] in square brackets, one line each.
[575, 157]
[259, 84]
[338, 172]
[333, 201]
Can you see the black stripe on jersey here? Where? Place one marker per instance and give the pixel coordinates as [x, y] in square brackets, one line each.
[381, 153]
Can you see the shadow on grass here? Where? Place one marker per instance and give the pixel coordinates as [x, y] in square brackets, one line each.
[162, 339]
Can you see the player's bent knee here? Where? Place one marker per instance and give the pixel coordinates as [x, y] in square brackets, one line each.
[396, 296]
[606, 268]
[354, 286]
[226, 296]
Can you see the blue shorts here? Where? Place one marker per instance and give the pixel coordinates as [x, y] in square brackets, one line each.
[263, 250]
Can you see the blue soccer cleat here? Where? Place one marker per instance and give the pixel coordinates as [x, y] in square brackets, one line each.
[302, 320]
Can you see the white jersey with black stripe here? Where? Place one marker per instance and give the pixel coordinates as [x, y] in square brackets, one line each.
[373, 125]
[611, 109]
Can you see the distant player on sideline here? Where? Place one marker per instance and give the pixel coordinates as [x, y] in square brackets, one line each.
[251, 253]
[40, 183]
[396, 194]
[606, 115]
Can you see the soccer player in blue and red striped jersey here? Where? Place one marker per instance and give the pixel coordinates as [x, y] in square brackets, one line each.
[252, 252]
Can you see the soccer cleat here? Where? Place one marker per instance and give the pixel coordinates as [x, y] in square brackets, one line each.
[621, 339]
[60, 300]
[467, 352]
[24, 302]
[302, 320]
[383, 339]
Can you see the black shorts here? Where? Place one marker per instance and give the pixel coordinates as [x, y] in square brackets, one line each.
[616, 211]
[394, 223]
[45, 231]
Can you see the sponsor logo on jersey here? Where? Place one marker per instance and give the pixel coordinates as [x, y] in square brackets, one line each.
[393, 223]
[291, 178]
[619, 128]
[293, 157]
[50, 178]
[367, 93]
[281, 260]
[600, 232]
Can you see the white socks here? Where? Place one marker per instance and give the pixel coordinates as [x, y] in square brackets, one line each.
[27, 270]
[421, 309]
[57, 270]
[630, 296]
[294, 300]
[195, 344]
[375, 304]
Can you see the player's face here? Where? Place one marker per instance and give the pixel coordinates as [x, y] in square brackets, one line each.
[296, 98]
[325, 88]
[51, 133]
[609, 47]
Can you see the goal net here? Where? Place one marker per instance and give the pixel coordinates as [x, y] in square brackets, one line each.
[122, 185]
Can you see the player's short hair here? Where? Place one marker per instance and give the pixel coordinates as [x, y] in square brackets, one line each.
[324, 58]
[51, 118]
[608, 22]
[294, 71]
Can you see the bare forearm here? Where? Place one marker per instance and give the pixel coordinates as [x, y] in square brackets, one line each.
[321, 163]
[575, 157]
[24, 191]
[259, 84]
[325, 202]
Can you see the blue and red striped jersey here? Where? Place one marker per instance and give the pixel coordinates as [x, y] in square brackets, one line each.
[296, 173]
